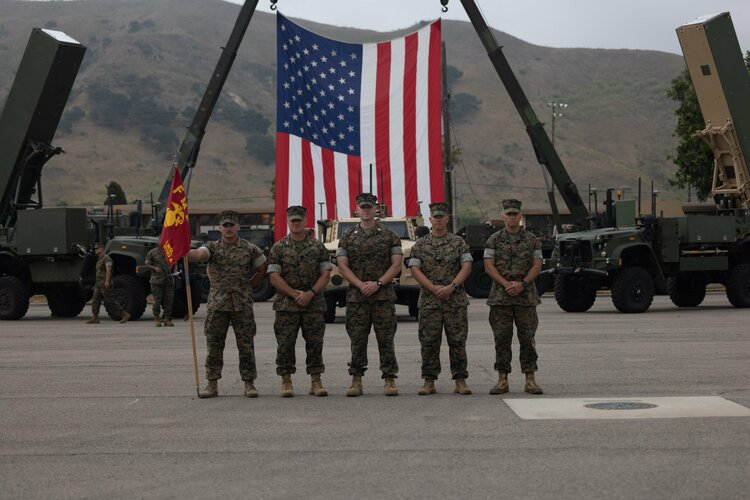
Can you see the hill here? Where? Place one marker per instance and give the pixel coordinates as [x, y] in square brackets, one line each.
[148, 62]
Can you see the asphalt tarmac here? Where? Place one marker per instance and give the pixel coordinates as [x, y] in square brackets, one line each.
[110, 411]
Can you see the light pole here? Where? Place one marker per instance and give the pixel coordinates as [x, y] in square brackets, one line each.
[556, 113]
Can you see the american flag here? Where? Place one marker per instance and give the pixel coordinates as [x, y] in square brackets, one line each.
[357, 118]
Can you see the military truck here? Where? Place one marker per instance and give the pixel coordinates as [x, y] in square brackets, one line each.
[406, 287]
[41, 249]
[129, 251]
[711, 246]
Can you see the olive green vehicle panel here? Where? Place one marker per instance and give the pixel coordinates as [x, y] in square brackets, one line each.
[32, 112]
[52, 231]
[707, 229]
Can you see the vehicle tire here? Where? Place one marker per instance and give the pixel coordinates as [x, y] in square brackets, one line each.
[686, 289]
[633, 290]
[14, 298]
[479, 283]
[330, 314]
[263, 291]
[544, 283]
[66, 301]
[573, 294]
[738, 285]
[131, 295]
[179, 302]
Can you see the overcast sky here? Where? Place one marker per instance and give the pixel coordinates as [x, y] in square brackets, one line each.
[624, 24]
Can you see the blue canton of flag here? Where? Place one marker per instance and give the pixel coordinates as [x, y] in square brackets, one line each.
[319, 88]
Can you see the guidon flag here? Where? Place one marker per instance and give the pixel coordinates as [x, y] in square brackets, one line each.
[175, 234]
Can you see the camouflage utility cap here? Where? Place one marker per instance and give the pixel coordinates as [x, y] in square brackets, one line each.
[366, 199]
[296, 212]
[511, 205]
[439, 208]
[229, 216]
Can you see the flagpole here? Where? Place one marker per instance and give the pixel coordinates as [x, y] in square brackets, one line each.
[192, 324]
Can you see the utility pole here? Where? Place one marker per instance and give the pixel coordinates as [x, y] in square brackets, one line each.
[556, 113]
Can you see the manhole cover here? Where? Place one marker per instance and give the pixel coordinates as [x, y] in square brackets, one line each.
[621, 405]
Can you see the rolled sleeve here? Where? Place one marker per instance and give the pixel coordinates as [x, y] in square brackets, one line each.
[341, 252]
[259, 261]
[466, 257]
[489, 253]
[273, 268]
[325, 265]
[538, 254]
[397, 250]
[415, 262]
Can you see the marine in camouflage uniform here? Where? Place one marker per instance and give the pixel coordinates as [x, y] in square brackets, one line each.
[162, 285]
[103, 290]
[441, 262]
[236, 266]
[369, 257]
[513, 259]
[299, 268]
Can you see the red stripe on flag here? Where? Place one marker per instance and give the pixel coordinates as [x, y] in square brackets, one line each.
[382, 124]
[434, 116]
[329, 182]
[282, 184]
[308, 182]
[410, 124]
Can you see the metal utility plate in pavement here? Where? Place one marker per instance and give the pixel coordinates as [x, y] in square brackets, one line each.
[619, 408]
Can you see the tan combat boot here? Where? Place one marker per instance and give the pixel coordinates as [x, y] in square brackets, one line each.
[461, 387]
[94, 320]
[168, 322]
[211, 390]
[316, 388]
[157, 322]
[390, 387]
[125, 317]
[250, 390]
[502, 384]
[531, 386]
[355, 389]
[427, 388]
[286, 386]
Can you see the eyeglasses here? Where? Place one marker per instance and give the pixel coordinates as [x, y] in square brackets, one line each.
[228, 224]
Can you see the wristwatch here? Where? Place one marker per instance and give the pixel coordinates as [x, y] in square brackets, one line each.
[454, 285]
[525, 284]
[379, 283]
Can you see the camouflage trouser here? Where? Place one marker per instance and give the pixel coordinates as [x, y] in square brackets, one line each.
[102, 293]
[286, 326]
[217, 325]
[381, 315]
[163, 296]
[501, 321]
[431, 324]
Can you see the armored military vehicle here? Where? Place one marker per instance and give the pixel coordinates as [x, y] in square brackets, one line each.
[41, 249]
[406, 287]
[129, 251]
[692, 251]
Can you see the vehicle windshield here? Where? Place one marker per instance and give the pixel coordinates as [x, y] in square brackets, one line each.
[397, 226]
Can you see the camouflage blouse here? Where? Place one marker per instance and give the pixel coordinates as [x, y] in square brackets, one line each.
[155, 257]
[232, 266]
[299, 263]
[440, 260]
[514, 254]
[102, 263]
[369, 252]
